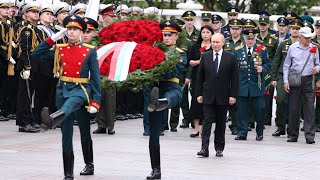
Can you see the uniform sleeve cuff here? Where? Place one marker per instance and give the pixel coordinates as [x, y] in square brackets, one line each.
[95, 104]
[50, 41]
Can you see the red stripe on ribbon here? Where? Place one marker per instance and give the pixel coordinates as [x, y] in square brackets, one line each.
[114, 59]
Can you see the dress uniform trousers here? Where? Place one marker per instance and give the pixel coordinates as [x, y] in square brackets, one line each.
[106, 114]
[172, 92]
[282, 106]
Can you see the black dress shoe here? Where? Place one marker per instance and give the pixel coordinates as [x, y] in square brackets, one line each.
[259, 138]
[292, 140]
[28, 128]
[184, 125]
[162, 133]
[12, 116]
[121, 118]
[111, 131]
[278, 133]
[310, 141]
[88, 170]
[252, 126]
[100, 130]
[146, 134]
[36, 125]
[267, 122]
[203, 153]
[93, 121]
[194, 135]
[234, 132]
[166, 128]
[240, 138]
[173, 130]
[219, 153]
[139, 115]
[302, 129]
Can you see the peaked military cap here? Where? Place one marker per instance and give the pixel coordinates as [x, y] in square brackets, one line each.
[152, 10]
[178, 21]
[250, 33]
[317, 23]
[32, 6]
[235, 23]
[91, 23]
[122, 8]
[290, 15]
[109, 10]
[307, 18]
[205, 15]
[264, 17]
[248, 23]
[75, 21]
[46, 7]
[282, 21]
[308, 24]
[79, 8]
[135, 10]
[189, 14]
[169, 27]
[264, 14]
[233, 10]
[216, 18]
[4, 3]
[13, 3]
[60, 7]
[296, 23]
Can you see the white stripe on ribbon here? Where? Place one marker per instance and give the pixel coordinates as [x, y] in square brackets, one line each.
[123, 62]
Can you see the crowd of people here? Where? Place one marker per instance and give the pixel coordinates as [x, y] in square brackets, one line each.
[231, 72]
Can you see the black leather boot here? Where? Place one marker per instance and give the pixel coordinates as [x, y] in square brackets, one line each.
[68, 161]
[88, 158]
[163, 104]
[52, 120]
[154, 151]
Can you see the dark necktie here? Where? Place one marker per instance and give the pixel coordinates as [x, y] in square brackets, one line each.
[249, 53]
[216, 63]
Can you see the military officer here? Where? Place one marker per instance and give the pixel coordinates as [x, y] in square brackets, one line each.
[122, 11]
[192, 35]
[30, 37]
[169, 90]
[134, 11]
[235, 40]
[79, 10]
[206, 19]
[232, 14]
[270, 41]
[108, 14]
[75, 90]
[283, 27]
[277, 77]
[254, 64]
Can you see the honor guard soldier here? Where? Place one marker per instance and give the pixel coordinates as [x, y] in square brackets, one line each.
[76, 92]
[30, 38]
[206, 19]
[14, 11]
[169, 90]
[270, 41]
[122, 11]
[79, 10]
[283, 28]
[108, 14]
[235, 40]
[44, 81]
[61, 11]
[232, 14]
[254, 64]
[277, 77]
[7, 61]
[89, 33]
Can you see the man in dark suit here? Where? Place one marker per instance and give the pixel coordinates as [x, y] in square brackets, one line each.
[217, 88]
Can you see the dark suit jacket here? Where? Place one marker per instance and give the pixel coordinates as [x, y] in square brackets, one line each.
[218, 87]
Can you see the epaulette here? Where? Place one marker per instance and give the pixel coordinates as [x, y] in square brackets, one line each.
[29, 26]
[179, 50]
[238, 47]
[260, 41]
[88, 45]
[315, 43]
[61, 45]
[285, 40]
[273, 36]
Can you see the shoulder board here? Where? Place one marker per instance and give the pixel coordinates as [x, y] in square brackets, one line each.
[285, 40]
[179, 50]
[259, 40]
[238, 47]
[88, 45]
[273, 36]
[315, 43]
[29, 26]
[62, 45]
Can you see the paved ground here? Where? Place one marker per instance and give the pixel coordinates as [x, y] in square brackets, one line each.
[125, 156]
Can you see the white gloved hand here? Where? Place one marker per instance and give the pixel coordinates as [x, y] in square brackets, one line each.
[92, 110]
[26, 74]
[13, 44]
[58, 35]
[12, 60]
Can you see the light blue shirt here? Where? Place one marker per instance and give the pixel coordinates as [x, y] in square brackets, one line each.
[296, 57]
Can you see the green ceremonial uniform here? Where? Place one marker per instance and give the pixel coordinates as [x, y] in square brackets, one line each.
[277, 75]
[317, 79]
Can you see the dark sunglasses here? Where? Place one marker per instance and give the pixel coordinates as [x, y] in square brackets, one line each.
[188, 19]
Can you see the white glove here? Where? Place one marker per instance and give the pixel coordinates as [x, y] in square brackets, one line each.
[12, 60]
[92, 110]
[26, 74]
[13, 44]
[58, 35]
